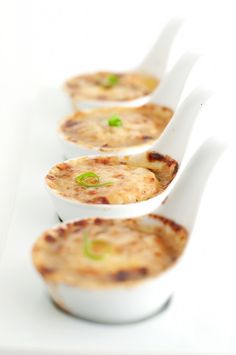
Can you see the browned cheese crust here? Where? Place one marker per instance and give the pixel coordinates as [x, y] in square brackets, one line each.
[129, 183]
[130, 250]
[129, 86]
[140, 125]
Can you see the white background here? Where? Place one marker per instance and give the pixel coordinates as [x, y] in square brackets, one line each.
[43, 42]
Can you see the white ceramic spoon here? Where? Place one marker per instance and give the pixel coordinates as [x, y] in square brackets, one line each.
[154, 64]
[167, 94]
[156, 61]
[172, 143]
[131, 303]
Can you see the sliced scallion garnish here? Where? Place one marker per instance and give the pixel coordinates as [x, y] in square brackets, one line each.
[115, 121]
[90, 179]
[111, 80]
[89, 245]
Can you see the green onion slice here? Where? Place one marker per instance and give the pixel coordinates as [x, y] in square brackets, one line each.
[89, 245]
[111, 80]
[115, 121]
[91, 179]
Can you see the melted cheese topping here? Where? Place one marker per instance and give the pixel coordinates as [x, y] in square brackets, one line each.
[129, 86]
[121, 251]
[128, 183]
[140, 125]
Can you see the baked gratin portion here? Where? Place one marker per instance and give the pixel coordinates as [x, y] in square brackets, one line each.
[94, 253]
[109, 129]
[107, 86]
[112, 180]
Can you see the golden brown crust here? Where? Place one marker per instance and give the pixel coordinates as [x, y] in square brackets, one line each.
[94, 86]
[128, 182]
[140, 125]
[131, 250]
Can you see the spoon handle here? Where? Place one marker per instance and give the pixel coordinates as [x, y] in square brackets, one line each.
[174, 140]
[183, 201]
[156, 61]
[170, 89]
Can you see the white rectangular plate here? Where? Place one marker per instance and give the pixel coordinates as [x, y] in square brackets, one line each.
[195, 322]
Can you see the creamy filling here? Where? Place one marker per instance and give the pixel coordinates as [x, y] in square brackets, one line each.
[113, 180]
[110, 86]
[97, 252]
[114, 128]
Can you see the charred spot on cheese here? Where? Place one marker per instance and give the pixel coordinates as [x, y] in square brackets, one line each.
[154, 156]
[147, 137]
[110, 86]
[135, 250]
[61, 232]
[89, 128]
[49, 238]
[70, 123]
[50, 177]
[63, 166]
[46, 271]
[101, 160]
[176, 227]
[78, 226]
[82, 223]
[120, 180]
[97, 221]
[100, 200]
[176, 169]
[125, 275]
[165, 108]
